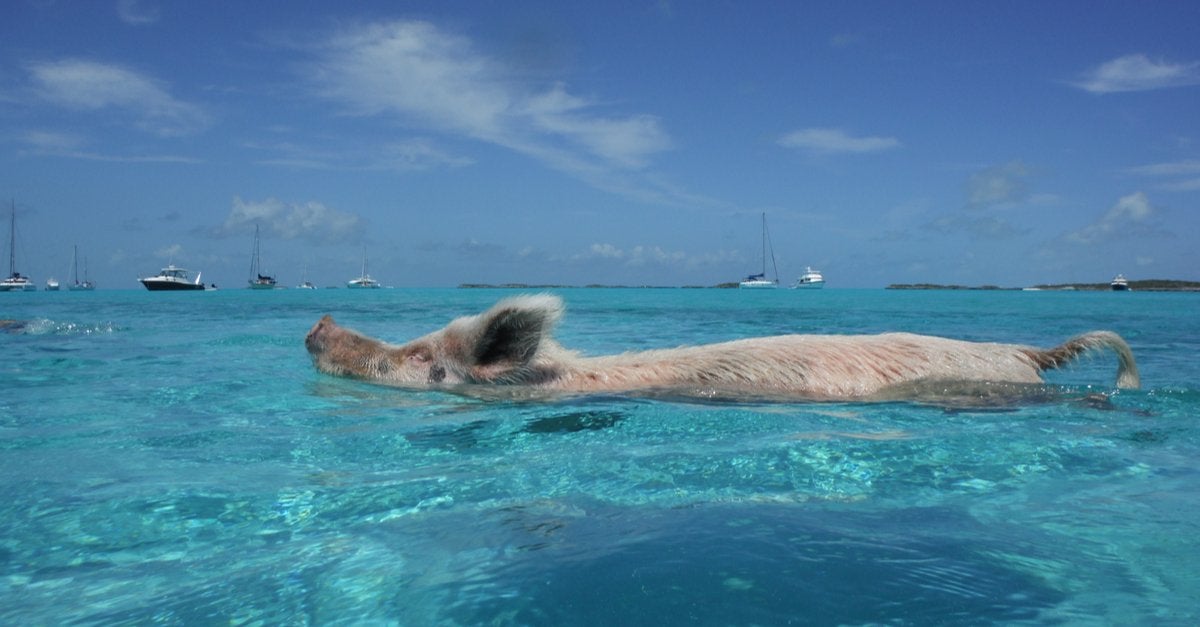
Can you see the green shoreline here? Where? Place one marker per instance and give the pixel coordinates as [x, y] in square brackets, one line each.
[1149, 285]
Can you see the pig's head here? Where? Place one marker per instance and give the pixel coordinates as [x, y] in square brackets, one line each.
[497, 346]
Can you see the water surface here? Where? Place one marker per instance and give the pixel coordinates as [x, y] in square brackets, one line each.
[174, 458]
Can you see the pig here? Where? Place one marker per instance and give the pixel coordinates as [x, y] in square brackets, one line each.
[511, 345]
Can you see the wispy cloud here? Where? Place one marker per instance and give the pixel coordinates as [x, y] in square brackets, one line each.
[989, 192]
[1130, 212]
[311, 221]
[84, 85]
[998, 185]
[835, 141]
[1137, 72]
[414, 154]
[170, 253]
[439, 80]
[644, 255]
[57, 144]
[137, 12]
[1178, 176]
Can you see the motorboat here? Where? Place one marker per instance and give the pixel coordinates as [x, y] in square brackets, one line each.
[52, 284]
[810, 280]
[172, 278]
[1119, 284]
[760, 280]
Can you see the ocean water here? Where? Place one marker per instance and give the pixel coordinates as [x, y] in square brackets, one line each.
[175, 459]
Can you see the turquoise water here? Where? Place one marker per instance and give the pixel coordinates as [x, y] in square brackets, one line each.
[175, 459]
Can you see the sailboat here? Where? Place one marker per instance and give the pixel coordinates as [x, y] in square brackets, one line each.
[305, 284]
[15, 281]
[760, 281]
[365, 281]
[79, 286]
[258, 280]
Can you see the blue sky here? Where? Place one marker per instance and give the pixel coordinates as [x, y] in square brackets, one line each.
[1007, 143]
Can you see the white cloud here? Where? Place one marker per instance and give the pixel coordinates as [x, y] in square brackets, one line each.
[1129, 212]
[1137, 72]
[311, 221]
[835, 141]
[137, 12]
[424, 74]
[1184, 175]
[91, 86]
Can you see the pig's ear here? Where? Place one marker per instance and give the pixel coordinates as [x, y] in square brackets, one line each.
[506, 338]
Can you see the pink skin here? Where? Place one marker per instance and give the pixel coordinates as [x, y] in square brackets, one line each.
[510, 345]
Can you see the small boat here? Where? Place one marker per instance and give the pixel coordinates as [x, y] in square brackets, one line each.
[810, 280]
[364, 282]
[1119, 284]
[52, 284]
[760, 281]
[15, 281]
[305, 284]
[258, 280]
[172, 278]
[86, 284]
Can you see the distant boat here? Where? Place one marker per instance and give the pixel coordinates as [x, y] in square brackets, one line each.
[258, 280]
[364, 282]
[52, 284]
[1119, 284]
[15, 282]
[172, 278]
[760, 281]
[810, 280]
[79, 286]
[305, 284]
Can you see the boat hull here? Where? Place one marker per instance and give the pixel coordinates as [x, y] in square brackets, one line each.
[172, 286]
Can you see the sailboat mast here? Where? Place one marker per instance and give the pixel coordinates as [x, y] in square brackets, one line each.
[254, 256]
[12, 244]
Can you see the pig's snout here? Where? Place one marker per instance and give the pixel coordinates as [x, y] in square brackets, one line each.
[315, 340]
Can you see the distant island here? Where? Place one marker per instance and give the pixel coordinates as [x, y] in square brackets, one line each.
[1148, 285]
[548, 286]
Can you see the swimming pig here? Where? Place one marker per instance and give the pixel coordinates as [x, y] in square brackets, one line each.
[510, 345]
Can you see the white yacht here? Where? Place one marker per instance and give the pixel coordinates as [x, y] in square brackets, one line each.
[1119, 283]
[171, 278]
[810, 280]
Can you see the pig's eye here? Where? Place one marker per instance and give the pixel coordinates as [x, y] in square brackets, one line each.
[419, 357]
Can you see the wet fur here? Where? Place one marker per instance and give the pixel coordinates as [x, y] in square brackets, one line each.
[511, 345]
